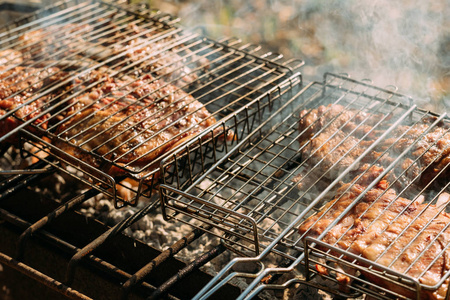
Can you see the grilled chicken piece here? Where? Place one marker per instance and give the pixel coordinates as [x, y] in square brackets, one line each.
[18, 85]
[10, 57]
[401, 234]
[130, 122]
[331, 140]
[158, 57]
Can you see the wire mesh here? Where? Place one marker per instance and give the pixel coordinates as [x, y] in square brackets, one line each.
[281, 179]
[118, 87]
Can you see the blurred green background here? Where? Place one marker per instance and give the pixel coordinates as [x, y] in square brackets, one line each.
[404, 43]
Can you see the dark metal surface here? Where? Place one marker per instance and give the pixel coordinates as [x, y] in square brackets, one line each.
[102, 272]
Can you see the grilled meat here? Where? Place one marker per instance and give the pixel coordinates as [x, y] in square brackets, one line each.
[413, 244]
[131, 45]
[407, 236]
[10, 57]
[315, 225]
[332, 137]
[130, 122]
[18, 86]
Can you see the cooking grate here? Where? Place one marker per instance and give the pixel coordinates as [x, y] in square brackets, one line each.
[139, 60]
[256, 198]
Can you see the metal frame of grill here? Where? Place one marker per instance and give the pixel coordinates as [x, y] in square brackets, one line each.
[252, 185]
[44, 231]
[232, 76]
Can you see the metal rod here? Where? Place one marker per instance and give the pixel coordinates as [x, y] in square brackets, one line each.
[13, 180]
[113, 231]
[183, 273]
[140, 275]
[102, 265]
[66, 206]
[24, 182]
[42, 278]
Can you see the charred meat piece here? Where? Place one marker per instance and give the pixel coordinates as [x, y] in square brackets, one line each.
[130, 122]
[18, 86]
[131, 45]
[407, 236]
[332, 138]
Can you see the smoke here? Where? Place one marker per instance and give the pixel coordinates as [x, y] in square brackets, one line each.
[390, 42]
[404, 43]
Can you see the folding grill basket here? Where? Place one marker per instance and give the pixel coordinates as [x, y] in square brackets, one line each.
[250, 199]
[223, 75]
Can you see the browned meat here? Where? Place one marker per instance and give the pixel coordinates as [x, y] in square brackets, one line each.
[316, 224]
[73, 40]
[331, 141]
[326, 142]
[131, 122]
[10, 57]
[18, 85]
[432, 151]
[404, 235]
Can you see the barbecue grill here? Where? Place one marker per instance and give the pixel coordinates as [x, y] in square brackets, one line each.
[250, 194]
[245, 184]
[228, 76]
[232, 75]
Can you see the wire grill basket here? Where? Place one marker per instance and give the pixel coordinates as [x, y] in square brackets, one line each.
[259, 194]
[106, 53]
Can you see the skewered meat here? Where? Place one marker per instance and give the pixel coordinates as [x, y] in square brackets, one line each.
[130, 122]
[18, 85]
[404, 235]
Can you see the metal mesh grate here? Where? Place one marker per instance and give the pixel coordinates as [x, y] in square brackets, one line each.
[261, 192]
[116, 88]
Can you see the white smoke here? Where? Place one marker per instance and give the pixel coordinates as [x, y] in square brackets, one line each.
[391, 42]
[404, 43]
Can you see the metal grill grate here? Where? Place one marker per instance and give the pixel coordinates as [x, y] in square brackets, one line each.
[257, 199]
[136, 77]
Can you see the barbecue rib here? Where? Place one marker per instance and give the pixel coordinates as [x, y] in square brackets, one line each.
[130, 122]
[401, 234]
[332, 137]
